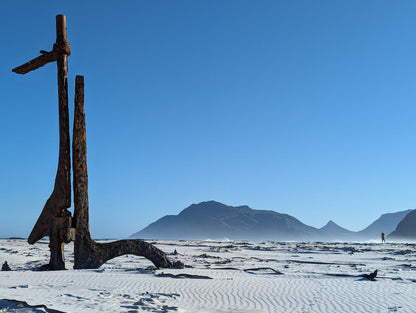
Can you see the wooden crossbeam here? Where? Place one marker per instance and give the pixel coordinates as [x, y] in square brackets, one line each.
[34, 64]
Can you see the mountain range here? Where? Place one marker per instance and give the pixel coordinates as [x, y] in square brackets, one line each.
[406, 229]
[214, 220]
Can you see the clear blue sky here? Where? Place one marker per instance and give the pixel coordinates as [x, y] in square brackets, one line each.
[302, 107]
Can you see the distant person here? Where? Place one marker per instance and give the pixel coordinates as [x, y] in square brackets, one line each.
[382, 238]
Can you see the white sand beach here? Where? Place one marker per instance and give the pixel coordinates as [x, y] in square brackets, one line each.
[222, 276]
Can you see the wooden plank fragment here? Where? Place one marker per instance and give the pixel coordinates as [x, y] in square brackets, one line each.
[36, 63]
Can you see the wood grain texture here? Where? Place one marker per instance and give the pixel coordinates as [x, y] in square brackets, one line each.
[56, 207]
[88, 253]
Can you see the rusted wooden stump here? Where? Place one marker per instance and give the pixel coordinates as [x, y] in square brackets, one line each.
[55, 220]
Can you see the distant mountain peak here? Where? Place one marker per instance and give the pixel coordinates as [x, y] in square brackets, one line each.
[406, 229]
[210, 209]
[334, 231]
[330, 224]
[215, 220]
[386, 223]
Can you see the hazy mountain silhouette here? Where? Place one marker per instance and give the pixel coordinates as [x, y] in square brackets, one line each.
[333, 232]
[406, 229]
[386, 223]
[215, 220]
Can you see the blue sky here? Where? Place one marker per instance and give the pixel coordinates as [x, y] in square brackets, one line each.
[302, 107]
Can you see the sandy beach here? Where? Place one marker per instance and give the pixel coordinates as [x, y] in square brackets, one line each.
[220, 276]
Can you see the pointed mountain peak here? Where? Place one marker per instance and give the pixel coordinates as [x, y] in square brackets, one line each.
[333, 227]
[330, 224]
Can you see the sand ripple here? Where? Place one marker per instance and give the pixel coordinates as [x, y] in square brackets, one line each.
[245, 277]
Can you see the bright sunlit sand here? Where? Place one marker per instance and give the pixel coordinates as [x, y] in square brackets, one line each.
[223, 276]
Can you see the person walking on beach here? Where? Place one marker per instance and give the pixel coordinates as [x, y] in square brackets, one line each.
[382, 238]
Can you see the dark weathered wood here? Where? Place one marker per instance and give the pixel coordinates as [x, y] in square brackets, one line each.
[61, 47]
[55, 220]
[60, 198]
[372, 276]
[88, 253]
[36, 63]
[50, 220]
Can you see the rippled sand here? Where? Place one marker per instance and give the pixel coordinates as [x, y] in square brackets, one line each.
[219, 277]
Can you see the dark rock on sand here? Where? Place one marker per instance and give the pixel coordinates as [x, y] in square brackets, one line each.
[5, 267]
[371, 276]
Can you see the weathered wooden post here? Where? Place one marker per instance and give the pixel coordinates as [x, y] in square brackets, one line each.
[88, 253]
[55, 219]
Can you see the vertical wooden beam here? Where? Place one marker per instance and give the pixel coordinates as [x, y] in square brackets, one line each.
[63, 179]
[61, 36]
[55, 219]
[56, 206]
[64, 140]
[83, 242]
[88, 253]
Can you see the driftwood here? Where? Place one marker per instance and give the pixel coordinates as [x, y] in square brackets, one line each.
[371, 276]
[88, 253]
[249, 270]
[55, 219]
[183, 275]
[22, 306]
